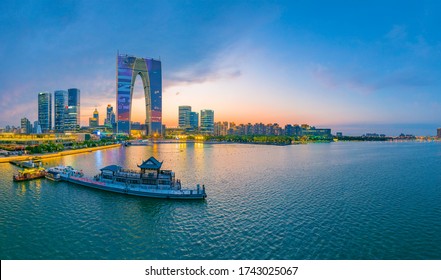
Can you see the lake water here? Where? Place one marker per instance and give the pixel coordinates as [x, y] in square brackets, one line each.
[354, 200]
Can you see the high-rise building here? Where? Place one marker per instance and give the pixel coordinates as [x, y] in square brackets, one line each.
[26, 126]
[94, 121]
[37, 127]
[207, 121]
[96, 115]
[221, 128]
[194, 120]
[438, 132]
[110, 117]
[72, 117]
[45, 111]
[60, 109]
[128, 69]
[184, 116]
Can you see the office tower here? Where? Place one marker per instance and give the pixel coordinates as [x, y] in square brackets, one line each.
[60, 109]
[194, 120]
[149, 70]
[36, 128]
[109, 112]
[438, 132]
[184, 116]
[26, 126]
[45, 111]
[73, 114]
[94, 121]
[96, 116]
[109, 116]
[207, 121]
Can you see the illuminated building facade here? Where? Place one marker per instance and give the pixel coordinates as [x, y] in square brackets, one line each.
[72, 117]
[128, 68]
[60, 109]
[94, 121]
[45, 111]
[110, 116]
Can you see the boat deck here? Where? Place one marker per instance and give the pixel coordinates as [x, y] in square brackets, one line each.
[162, 191]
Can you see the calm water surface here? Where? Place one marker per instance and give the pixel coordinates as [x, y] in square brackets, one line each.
[316, 201]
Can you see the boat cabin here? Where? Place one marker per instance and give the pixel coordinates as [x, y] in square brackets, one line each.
[150, 173]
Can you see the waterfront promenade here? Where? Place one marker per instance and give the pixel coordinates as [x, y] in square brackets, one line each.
[57, 154]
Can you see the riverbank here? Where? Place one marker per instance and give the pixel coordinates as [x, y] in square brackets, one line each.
[58, 154]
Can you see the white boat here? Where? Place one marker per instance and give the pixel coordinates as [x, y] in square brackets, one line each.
[57, 173]
[143, 142]
[150, 181]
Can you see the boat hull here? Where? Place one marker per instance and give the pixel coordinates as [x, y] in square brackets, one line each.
[16, 178]
[152, 193]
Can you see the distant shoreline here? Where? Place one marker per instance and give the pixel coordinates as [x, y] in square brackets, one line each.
[58, 154]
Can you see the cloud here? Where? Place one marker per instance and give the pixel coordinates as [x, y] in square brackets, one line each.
[367, 82]
[223, 64]
[398, 32]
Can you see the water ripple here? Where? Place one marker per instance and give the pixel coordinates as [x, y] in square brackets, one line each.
[324, 201]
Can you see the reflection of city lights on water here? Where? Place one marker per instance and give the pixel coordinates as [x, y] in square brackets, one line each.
[38, 188]
[22, 189]
[98, 158]
[181, 146]
[198, 145]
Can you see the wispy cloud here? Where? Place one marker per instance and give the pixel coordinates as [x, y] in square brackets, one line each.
[398, 32]
[369, 82]
[224, 64]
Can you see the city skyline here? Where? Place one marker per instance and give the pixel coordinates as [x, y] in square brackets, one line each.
[271, 62]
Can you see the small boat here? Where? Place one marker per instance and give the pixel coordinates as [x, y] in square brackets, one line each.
[29, 174]
[53, 175]
[57, 173]
[32, 163]
[149, 181]
[144, 142]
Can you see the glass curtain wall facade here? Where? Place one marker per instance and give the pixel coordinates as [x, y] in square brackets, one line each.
[72, 117]
[60, 109]
[184, 116]
[25, 126]
[207, 121]
[128, 68]
[45, 111]
[194, 120]
[110, 117]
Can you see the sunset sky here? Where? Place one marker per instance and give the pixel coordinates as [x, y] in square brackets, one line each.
[351, 66]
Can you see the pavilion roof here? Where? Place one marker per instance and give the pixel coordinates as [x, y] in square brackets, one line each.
[113, 168]
[151, 164]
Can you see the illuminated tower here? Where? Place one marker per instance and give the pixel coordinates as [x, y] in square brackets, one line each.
[72, 117]
[96, 116]
[110, 116]
[60, 109]
[45, 111]
[149, 70]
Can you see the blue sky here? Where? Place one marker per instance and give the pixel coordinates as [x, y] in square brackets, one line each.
[372, 66]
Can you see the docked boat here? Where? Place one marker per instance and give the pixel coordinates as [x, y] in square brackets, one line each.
[149, 181]
[57, 173]
[32, 163]
[29, 174]
[52, 175]
[143, 142]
